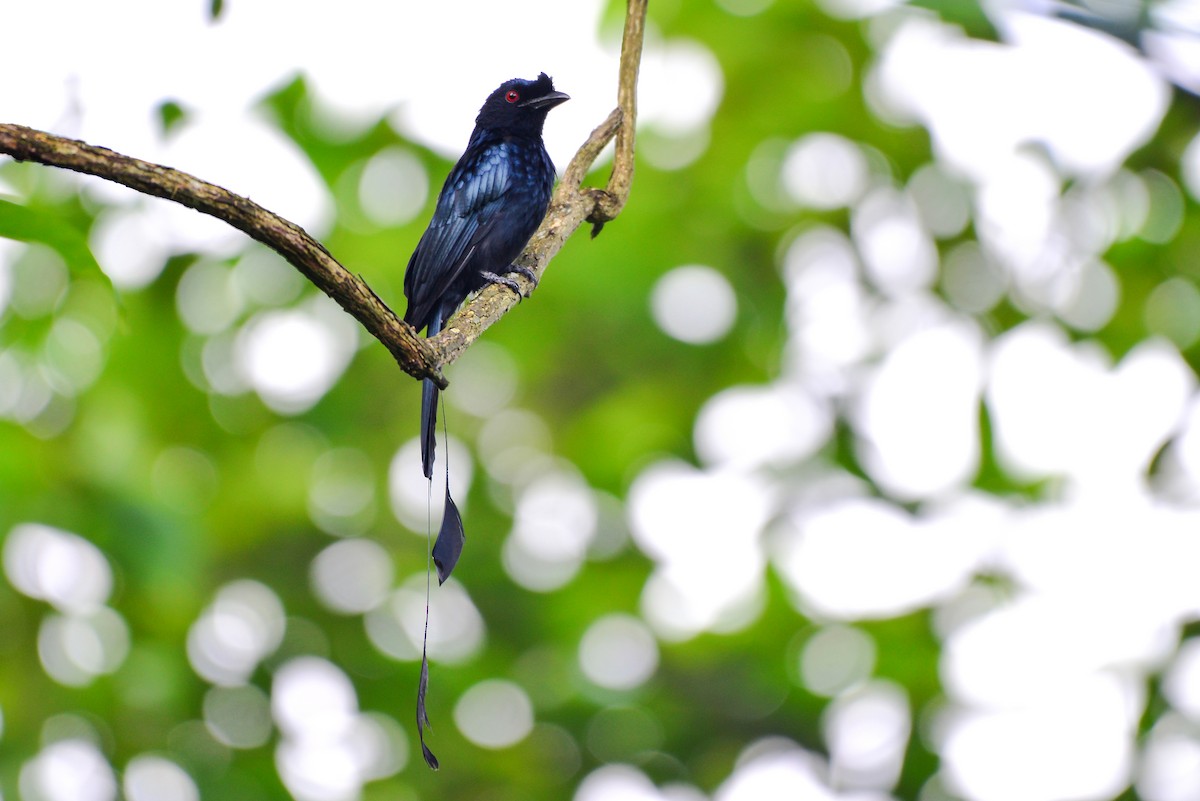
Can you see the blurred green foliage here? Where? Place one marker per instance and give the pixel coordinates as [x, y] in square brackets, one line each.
[614, 390]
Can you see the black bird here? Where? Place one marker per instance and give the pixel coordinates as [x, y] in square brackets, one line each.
[489, 207]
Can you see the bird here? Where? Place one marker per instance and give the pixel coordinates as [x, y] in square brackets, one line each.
[491, 203]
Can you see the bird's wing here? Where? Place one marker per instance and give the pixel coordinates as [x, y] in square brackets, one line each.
[466, 211]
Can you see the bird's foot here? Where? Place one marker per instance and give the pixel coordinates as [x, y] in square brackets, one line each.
[493, 278]
[505, 281]
[525, 272]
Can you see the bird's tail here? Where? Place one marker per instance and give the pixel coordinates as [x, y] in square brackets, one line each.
[429, 403]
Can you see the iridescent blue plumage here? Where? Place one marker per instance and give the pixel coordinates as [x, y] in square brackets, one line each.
[491, 203]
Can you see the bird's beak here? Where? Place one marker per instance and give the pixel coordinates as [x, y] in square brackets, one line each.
[546, 101]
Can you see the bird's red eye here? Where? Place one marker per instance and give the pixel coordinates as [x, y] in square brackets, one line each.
[512, 96]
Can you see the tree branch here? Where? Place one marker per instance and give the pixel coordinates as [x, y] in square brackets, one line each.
[286, 238]
[570, 207]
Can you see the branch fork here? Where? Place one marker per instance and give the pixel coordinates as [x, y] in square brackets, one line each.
[570, 207]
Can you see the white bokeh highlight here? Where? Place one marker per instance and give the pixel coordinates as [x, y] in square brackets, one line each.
[412, 494]
[618, 652]
[915, 561]
[825, 171]
[352, 576]
[694, 304]
[776, 768]
[328, 749]
[703, 532]
[154, 778]
[918, 415]
[76, 649]
[456, 627]
[68, 770]
[239, 716]
[291, 358]
[836, 658]
[553, 525]
[748, 427]
[897, 251]
[867, 732]
[1076, 744]
[1059, 408]
[243, 625]
[393, 187]
[83, 639]
[1181, 683]
[617, 783]
[1170, 763]
[1090, 110]
[494, 714]
[57, 566]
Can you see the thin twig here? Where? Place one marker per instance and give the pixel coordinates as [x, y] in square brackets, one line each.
[631, 60]
[570, 207]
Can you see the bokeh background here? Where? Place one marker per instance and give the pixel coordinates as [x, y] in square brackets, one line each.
[858, 459]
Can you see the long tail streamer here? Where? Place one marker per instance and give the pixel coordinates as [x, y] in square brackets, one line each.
[444, 554]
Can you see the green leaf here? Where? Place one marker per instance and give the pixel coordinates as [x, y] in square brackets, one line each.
[170, 116]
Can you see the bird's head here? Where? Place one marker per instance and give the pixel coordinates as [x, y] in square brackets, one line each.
[520, 106]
